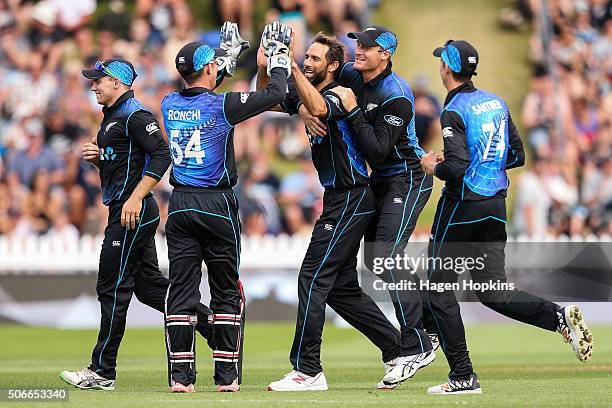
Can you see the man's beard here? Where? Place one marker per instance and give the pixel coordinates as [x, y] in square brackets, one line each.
[318, 77]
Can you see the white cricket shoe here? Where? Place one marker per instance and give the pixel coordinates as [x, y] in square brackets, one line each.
[87, 379]
[297, 381]
[407, 366]
[574, 330]
[381, 384]
[470, 385]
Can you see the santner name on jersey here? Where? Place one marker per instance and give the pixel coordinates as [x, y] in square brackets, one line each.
[480, 144]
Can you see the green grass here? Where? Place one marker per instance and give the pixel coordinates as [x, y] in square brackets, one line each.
[423, 25]
[518, 366]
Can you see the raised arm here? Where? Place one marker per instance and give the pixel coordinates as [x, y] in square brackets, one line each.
[240, 106]
[311, 98]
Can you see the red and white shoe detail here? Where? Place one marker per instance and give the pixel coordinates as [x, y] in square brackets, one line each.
[298, 381]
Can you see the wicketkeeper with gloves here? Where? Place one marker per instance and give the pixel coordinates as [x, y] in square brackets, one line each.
[203, 223]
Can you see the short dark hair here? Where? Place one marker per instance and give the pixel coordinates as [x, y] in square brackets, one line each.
[192, 77]
[461, 77]
[335, 51]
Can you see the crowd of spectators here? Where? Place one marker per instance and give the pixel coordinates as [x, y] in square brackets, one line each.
[47, 110]
[567, 115]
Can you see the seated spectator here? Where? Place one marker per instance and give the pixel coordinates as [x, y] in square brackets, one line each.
[427, 112]
[239, 11]
[30, 222]
[341, 10]
[62, 232]
[31, 91]
[60, 132]
[253, 219]
[259, 187]
[7, 215]
[533, 202]
[298, 14]
[295, 221]
[23, 165]
[302, 188]
[182, 31]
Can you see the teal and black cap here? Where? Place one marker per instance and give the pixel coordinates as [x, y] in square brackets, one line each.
[194, 56]
[460, 56]
[376, 35]
[118, 68]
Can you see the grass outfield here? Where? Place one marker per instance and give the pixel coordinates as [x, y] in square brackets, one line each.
[518, 366]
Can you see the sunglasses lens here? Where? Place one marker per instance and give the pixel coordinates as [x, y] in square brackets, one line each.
[99, 66]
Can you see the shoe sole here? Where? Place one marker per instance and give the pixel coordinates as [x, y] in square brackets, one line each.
[465, 392]
[80, 387]
[300, 390]
[430, 359]
[183, 390]
[386, 387]
[219, 389]
[580, 332]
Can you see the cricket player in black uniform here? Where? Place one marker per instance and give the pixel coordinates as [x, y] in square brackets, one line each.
[328, 275]
[132, 156]
[203, 219]
[381, 117]
[480, 143]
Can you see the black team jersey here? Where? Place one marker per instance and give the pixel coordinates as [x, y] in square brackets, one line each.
[338, 162]
[383, 122]
[131, 146]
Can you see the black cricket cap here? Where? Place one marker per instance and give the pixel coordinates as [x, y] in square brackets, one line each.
[194, 56]
[376, 35]
[118, 68]
[460, 56]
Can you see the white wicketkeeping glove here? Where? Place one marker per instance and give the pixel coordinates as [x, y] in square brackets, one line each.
[276, 40]
[233, 45]
[266, 36]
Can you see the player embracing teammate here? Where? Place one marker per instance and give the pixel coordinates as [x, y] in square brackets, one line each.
[354, 112]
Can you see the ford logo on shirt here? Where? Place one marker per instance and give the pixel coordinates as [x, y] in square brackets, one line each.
[394, 120]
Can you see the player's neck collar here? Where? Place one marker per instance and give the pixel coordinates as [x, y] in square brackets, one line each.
[126, 95]
[464, 87]
[331, 85]
[194, 91]
[385, 73]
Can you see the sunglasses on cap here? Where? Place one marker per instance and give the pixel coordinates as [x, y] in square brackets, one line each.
[116, 68]
[100, 67]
